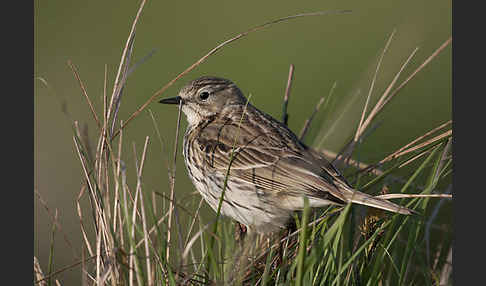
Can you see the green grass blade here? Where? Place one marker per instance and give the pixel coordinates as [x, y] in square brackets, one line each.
[302, 244]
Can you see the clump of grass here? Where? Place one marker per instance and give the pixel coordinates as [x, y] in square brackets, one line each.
[133, 241]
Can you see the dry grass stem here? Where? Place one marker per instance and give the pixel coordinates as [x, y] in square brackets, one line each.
[116, 174]
[307, 123]
[360, 125]
[101, 139]
[123, 63]
[105, 98]
[54, 273]
[330, 154]
[409, 147]
[80, 215]
[132, 262]
[119, 92]
[383, 99]
[54, 221]
[402, 196]
[98, 257]
[98, 184]
[389, 157]
[162, 144]
[428, 228]
[285, 115]
[151, 231]
[138, 63]
[144, 220]
[330, 131]
[189, 244]
[412, 75]
[91, 107]
[104, 241]
[421, 154]
[196, 215]
[446, 270]
[172, 182]
[91, 185]
[194, 218]
[290, 235]
[146, 239]
[443, 159]
[418, 146]
[39, 275]
[217, 48]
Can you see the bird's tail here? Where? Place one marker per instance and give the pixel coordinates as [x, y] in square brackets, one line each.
[368, 200]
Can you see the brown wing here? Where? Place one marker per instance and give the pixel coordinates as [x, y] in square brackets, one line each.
[268, 156]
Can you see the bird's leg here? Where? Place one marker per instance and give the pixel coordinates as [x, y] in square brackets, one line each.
[284, 241]
[281, 245]
[240, 233]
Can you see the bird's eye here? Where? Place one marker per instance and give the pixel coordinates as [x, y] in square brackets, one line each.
[204, 95]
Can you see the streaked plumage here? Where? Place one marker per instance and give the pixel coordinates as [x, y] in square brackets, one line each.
[271, 171]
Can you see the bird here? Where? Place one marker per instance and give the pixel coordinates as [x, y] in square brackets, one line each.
[253, 163]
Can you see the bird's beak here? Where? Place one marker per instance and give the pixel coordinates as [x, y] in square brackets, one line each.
[172, 100]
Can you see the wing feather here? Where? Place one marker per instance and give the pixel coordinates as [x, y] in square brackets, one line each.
[271, 161]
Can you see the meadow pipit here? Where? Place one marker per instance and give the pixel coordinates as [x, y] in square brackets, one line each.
[270, 169]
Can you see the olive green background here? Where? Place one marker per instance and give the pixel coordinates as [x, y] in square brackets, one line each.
[324, 49]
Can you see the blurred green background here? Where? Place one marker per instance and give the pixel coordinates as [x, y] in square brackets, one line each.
[324, 50]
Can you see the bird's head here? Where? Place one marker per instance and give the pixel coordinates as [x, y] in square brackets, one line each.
[206, 97]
